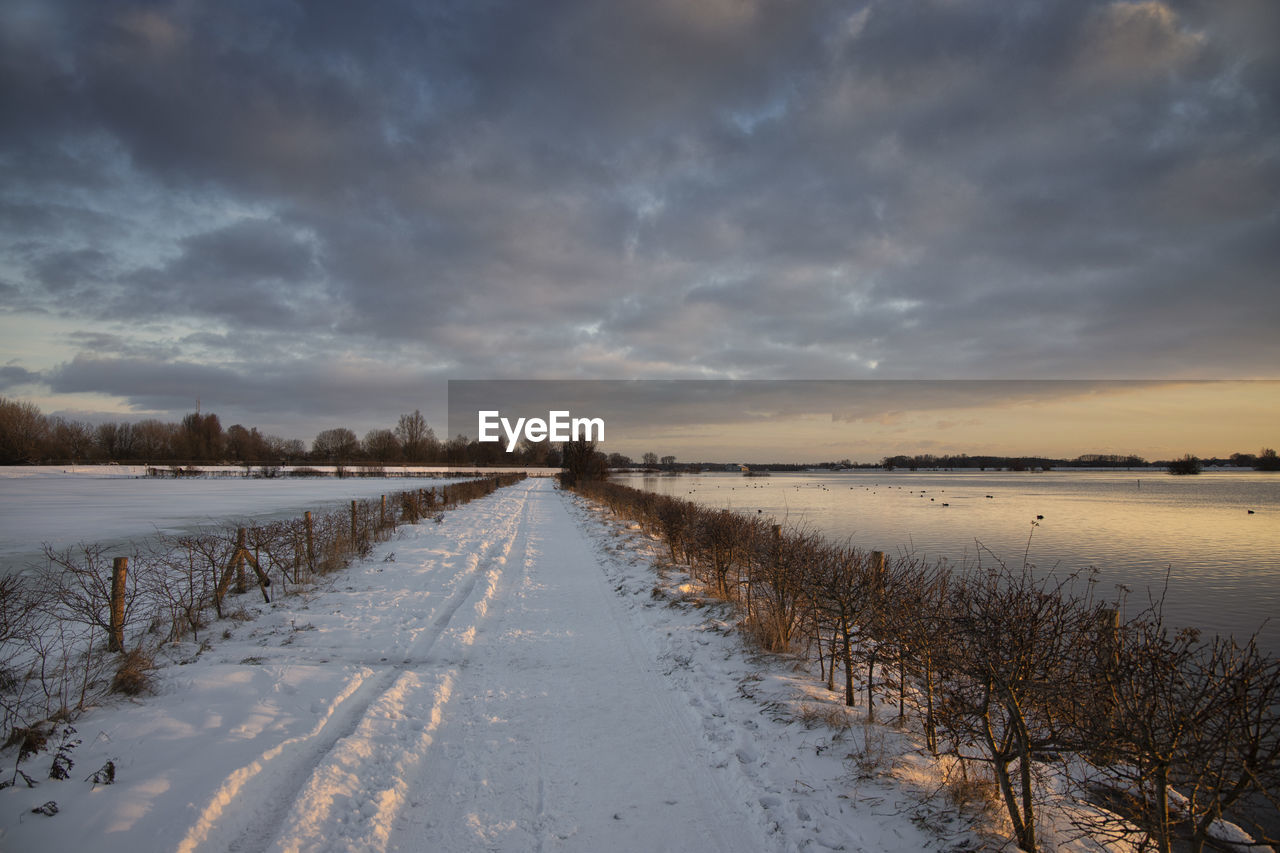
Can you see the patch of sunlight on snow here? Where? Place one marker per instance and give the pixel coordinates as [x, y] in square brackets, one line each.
[129, 811]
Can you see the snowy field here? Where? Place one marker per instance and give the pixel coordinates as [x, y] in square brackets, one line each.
[116, 504]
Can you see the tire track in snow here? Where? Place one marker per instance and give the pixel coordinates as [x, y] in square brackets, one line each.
[338, 715]
[353, 797]
[267, 789]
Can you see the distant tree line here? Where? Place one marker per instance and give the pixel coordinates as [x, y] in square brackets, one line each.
[1264, 461]
[28, 436]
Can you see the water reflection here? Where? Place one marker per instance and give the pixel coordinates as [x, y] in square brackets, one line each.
[1138, 528]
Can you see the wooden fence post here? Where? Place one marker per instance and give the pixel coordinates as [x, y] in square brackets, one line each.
[1109, 657]
[238, 559]
[311, 547]
[877, 567]
[353, 526]
[119, 572]
[382, 514]
[877, 589]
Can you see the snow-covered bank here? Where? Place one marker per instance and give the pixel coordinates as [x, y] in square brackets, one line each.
[515, 678]
[65, 510]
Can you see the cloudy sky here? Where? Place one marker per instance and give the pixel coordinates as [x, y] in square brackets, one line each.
[313, 214]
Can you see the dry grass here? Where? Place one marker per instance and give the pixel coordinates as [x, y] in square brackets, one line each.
[874, 757]
[133, 677]
[765, 633]
[29, 740]
[972, 791]
[813, 715]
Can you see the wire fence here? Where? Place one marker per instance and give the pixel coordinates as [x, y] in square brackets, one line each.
[86, 621]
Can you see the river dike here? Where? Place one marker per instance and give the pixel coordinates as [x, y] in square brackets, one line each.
[524, 674]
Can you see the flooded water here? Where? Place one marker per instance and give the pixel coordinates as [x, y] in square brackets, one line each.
[1137, 528]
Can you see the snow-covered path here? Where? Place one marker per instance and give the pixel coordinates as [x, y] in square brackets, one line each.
[519, 720]
[555, 737]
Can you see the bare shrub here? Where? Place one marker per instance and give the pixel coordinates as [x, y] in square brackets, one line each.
[813, 715]
[179, 577]
[778, 587]
[673, 518]
[917, 622]
[80, 581]
[971, 789]
[1014, 665]
[133, 676]
[1009, 671]
[844, 594]
[723, 539]
[1192, 731]
[20, 618]
[874, 755]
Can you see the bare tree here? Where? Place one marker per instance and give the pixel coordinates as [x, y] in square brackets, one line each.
[115, 440]
[200, 437]
[246, 444]
[381, 445]
[582, 462]
[335, 445]
[22, 431]
[153, 439]
[417, 439]
[70, 439]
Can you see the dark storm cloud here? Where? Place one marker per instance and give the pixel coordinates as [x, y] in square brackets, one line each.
[254, 272]
[359, 396]
[11, 376]
[737, 188]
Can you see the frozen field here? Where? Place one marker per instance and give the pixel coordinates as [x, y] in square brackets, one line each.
[87, 506]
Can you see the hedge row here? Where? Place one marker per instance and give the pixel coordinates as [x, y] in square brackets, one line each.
[1006, 669]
